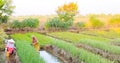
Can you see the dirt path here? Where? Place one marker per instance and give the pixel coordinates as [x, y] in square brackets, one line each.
[100, 52]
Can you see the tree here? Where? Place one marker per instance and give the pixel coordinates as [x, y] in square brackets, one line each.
[6, 9]
[67, 11]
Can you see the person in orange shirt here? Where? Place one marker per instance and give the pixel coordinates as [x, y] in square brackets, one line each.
[35, 43]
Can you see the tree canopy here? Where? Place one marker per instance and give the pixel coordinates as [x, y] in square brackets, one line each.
[6, 9]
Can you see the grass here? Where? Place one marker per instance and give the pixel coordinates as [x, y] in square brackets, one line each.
[88, 40]
[82, 54]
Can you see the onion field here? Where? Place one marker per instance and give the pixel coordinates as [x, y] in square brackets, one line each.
[28, 54]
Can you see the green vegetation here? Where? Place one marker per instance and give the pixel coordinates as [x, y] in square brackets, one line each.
[106, 34]
[97, 42]
[16, 25]
[26, 52]
[81, 54]
[6, 9]
[2, 38]
[80, 25]
[57, 24]
[29, 23]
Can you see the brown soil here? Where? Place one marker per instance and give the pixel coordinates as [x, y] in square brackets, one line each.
[62, 55]
[100, 52]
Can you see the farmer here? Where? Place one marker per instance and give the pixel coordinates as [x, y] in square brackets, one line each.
[35, 43]
[10, 48]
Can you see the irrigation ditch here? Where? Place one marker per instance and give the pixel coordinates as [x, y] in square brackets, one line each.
[61, 54]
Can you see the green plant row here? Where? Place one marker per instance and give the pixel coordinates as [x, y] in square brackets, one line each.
[76, 37]
[26, 52]
[88, 40]
[82, 54]
[107, 34]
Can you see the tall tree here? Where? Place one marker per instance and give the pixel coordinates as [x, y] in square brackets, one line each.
[6, 9]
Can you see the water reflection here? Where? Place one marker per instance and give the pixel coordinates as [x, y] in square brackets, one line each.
[49, 58]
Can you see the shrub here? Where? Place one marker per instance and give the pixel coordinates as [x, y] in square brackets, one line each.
[55, 23]
[81, 24]
[115, 21]
[30, 22]
[16, 24]
[96, 23]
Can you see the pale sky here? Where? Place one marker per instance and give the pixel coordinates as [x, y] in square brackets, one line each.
[47, 7]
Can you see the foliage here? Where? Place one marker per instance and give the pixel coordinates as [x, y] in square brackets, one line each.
[96, 23]
[6, 9]
[29, 23]
[67, 11]
[2, 38]
[57, 24]
[16, 24]
[115, 21]
[81, 24]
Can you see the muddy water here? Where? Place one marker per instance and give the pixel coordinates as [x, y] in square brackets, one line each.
[49, 58]
[2, 57]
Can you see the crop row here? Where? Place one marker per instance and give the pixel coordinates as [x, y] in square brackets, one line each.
[106, 34]
[88, 40]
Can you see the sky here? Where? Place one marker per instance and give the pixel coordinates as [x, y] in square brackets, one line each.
[48, 7]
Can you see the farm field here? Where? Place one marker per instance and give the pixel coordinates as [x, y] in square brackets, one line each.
[80, 53]
[68, 31]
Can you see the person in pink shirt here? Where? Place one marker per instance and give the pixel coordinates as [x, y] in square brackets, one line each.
[10, 48]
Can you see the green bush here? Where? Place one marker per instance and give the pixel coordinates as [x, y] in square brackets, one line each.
[81, 24]
[16, 24]
[96, 23]
[29, 23]
[56, 23]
